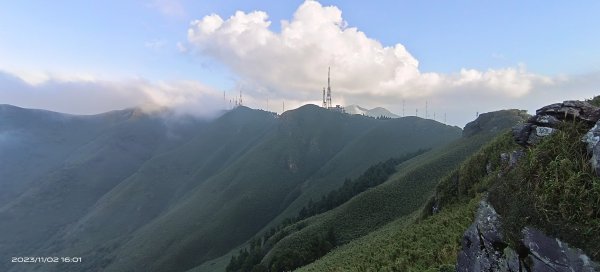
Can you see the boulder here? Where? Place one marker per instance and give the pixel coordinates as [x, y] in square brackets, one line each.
[521, 133]
[549, 254]
[544, 120]
[572, 110]
[537, 133]
[548, 119]
[592, 138]
[483, 245]
[484, 248]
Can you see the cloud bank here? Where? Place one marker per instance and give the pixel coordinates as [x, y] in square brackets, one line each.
[294, 61]
[88, 95]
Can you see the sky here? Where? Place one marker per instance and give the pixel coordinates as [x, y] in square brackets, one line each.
[459, 57]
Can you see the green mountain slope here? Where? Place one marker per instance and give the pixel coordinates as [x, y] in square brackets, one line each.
[401, 195]
[548, 186]
[411, 243]
[74, 174]
[172, 194]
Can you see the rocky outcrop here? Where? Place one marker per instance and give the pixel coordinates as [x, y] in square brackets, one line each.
[592, 139]
[548, 119]
[571, 110]
[484, 248]
[548, 254]
[511, 159]
[483, 244]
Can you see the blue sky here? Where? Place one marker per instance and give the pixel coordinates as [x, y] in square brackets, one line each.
[124, 40]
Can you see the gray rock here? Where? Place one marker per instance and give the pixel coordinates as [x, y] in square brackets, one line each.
[483, 246]
[572, 110]
[514, 157]
[544, 131]
[521, 133]
[537, 133]
[544, 120]
[504, 157]
[549, 254]
[592, 138]
[484, 249]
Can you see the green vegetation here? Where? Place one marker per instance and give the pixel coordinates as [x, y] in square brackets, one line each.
[249, 259]
[427, 241]
[172, 193]
[553, 188]
[406, 244]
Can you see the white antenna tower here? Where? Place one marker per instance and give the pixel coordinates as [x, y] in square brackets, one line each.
[329, 105]
[403, 104]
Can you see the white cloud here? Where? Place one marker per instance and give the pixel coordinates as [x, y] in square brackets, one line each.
[89, 95]
[294, 62]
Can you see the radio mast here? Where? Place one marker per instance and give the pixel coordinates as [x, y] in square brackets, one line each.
[328, 102]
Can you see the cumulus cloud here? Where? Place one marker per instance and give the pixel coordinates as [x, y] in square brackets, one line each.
[89, 95]
[294, 61]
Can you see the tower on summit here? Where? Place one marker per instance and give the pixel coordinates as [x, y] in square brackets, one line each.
[327, 95]
[327, 91]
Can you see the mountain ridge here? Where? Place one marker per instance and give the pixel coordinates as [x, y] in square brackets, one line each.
[190, 191]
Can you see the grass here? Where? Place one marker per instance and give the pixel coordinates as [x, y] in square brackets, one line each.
[406, 244]
[554, 189]
[403, 194]
[424, 241]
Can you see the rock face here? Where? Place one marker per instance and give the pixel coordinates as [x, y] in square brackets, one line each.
[592, 139]
[483, 246]
[548, 119]
[571, 110]
[484, 249]
[547, 254]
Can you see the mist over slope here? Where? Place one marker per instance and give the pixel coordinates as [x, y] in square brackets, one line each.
[171, 193]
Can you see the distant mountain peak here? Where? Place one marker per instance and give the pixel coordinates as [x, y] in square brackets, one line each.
[375, 112]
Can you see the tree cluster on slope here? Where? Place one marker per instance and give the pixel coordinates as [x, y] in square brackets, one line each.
[249, 259]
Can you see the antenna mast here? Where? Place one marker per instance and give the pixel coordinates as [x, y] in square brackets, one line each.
[403, 104]
[329, 87]
[324, 101]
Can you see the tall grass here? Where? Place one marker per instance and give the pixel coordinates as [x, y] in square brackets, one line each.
[555, 189]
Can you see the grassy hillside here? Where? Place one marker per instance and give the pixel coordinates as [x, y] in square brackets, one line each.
[406, 244]
[424, 241]
[172, 194]
[65, 164]
[552, 187]
[400, 196]
[254, 189]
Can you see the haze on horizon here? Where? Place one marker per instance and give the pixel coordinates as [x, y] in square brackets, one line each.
[461, 57]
